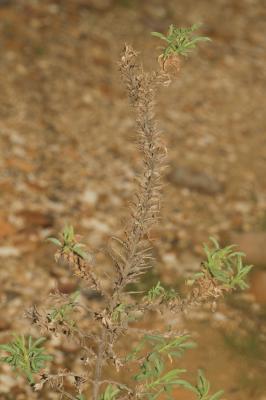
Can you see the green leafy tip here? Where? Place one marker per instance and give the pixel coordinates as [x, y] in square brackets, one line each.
[110, 393]
[69, 243]
[159, 292]
[180, 40]
[152, 375]
[63, 312]
[80, 397]
[224, 265]
[203, 387]
[25, 356]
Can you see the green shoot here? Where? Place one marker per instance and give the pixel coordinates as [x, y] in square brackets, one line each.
[63, 312]
[224, 265]
[180, 40]
[25, 356]
[203, 387]
[68, 243]
[159, 291]
[110, 393]
[152, 376]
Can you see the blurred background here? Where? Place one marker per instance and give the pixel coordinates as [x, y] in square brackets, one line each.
[67, 155]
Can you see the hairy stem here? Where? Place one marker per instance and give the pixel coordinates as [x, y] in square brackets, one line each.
[145, 209]
[99, 365]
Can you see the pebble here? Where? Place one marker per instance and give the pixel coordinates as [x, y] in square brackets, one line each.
[9, 251]
[253, 244]
[89, 197]
[98, 5]
[195, 180]
[6, 229]
[155, 11]
[66, 286]
[96, 225]
[4, 324]
[35, 218]
[6, 383]
[258, 285]
[217, 316]
[5, 2]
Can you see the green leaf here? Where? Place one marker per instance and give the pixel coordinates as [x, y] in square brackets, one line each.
[110, 393]
[180, 40]
[217, 395]
[224, 265]
[159, 35]
[54, 241]
[77, 250]
[25, 356]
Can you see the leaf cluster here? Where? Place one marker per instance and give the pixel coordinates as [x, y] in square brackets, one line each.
[25, 355]
[180, 40]
[110, 393]
[153, 375]
[202, 389]
[226, 265]
[158, 291]
[63, 312]
[69, 243]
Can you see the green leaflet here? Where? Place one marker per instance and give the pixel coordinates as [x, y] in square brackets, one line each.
[203, 388]
[180, 40]
[25, 355]
[110, 393]
[63, 312]
[159, 292]
[226, 265]
[69, 243]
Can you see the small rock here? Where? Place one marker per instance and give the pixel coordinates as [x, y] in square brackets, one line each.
[16, 138]
[69, 347]
[195, 180]
[170, 264]
[4, 324]
[87, 98]
[89, 197]
[9, 251]
[95, 224]
[154, 11]
[21, 165]
[66, 286]
[253, 244]
[34, 218]
[5, 3]
[6, 229]
[219, 317]
[53, 9]
[98, 5]
[6, 383]
[258, 285]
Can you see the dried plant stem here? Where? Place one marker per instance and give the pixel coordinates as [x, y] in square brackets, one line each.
[135, 255]
[132, 258]
[99, 364]
[66, 394]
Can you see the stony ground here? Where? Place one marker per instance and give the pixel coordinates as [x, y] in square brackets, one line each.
[68, 156]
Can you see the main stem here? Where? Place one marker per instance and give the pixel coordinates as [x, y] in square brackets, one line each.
[99, 365]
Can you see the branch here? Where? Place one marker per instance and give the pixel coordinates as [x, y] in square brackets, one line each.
[134, 254]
